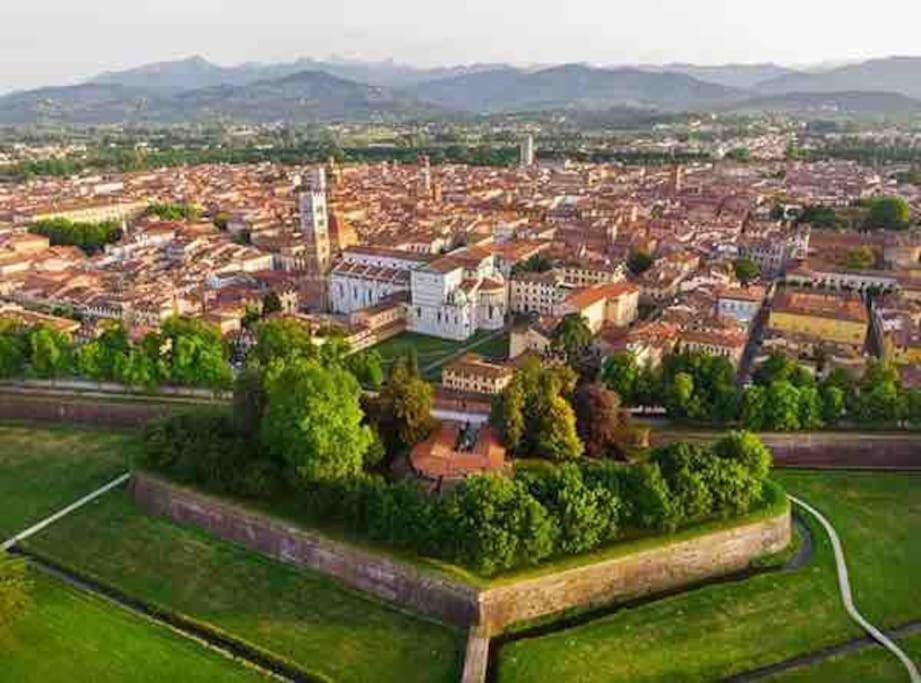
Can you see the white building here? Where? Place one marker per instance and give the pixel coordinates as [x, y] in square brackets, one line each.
[367, 275]
[457, 294]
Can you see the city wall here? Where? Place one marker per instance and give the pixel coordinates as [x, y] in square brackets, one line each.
[488, 610]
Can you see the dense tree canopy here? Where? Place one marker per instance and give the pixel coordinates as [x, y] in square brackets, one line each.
[90, 237]
[639, 261]
[746, 270]
[313, 419]
[533, 414]
[888, 213]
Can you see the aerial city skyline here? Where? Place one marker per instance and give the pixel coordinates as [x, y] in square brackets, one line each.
[511, 343]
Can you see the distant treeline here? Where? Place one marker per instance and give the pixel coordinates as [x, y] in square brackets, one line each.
[862, 153]
[130, 159]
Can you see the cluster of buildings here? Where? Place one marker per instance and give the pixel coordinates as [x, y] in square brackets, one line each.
[452, 251]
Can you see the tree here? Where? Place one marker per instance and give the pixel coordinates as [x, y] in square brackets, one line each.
[49, 352]
[821, 217]
[313, 420]
[538, 263]
[14, 588]
[782, 407]
[860, 258]
[889, 213]
[746, 449]
[100, 358]
[680, 395]
[404, 408]
[598, 419]
[572, 337]
[282, 338]
[13, 349]
[496, 524]
[639, 261]
[175, 212]
[271, 303]
[533, 415]
[367, 368]
[746, 270]
[810, 408]
[556, 431]
[682, 466]
[585, 516]
[753, 408]
[195, 354]
[833, 403]
[620, 373]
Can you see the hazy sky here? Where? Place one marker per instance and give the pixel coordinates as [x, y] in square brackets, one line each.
[58, 41]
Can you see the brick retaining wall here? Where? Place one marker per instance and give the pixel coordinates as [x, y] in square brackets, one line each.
[631, 576]
[395, 582]
[490, 610]
[80, 410]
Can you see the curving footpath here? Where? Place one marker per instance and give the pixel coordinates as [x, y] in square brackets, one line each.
[845, 589]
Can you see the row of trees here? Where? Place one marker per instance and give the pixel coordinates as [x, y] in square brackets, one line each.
[90, 237]
[183, 352]
[878, 213]
[784, 395]
[171, 211]
[491, 523]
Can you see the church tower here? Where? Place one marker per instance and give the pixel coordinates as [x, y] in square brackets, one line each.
[315, 222]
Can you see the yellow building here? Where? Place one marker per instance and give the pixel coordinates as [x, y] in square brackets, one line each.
[473, 374]
[92, 212]
[839, 318]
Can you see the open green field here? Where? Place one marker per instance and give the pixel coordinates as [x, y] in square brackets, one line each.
[878, 518]
[720, 630]
[869, 664]
[68, 635]
[45, 468]
[434, 352]
[298, 615]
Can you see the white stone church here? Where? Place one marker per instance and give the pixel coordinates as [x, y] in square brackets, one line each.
[450, 296]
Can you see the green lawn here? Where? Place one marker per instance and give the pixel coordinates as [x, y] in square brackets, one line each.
[870, 664]
[298, 615]
[434, 352]
[878, 518]
[719, 630]
[68, 635]
[46, 468]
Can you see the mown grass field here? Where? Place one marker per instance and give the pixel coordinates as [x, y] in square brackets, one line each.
[42, 469]
[298, 615]
[433, 352]
[713, 632]
[69, 636]
[873, 664]
[878, 517]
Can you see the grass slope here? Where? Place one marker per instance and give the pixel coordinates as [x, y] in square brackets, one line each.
[716, 631]
[298, 615]
[46, 468]
[67, 635]
[870, 664]
[878, 518]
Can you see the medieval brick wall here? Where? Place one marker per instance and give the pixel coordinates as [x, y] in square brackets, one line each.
[442, 598]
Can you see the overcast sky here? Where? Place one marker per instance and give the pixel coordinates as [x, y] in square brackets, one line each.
[63, 41]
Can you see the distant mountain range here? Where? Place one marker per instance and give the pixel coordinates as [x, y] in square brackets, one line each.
[195, 89]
